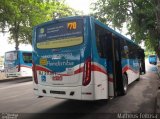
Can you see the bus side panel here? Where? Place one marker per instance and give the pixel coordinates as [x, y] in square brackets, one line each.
[100, 83]
[25, 68]
[99, 71]
[88, 90]
[131, 67]
[98, 90]
[135, 70]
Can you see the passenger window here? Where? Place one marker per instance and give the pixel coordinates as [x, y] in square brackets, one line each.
[124, 49]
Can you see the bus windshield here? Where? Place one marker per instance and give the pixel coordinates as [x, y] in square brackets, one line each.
[27, 57]
[60, 35]
[11, 56]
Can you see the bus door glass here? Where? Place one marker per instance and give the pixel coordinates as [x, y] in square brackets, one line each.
[117, 65]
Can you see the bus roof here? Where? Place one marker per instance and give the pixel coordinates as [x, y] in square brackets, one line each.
[85, 16]
[19, 51]
[116, 33]
[61, 19]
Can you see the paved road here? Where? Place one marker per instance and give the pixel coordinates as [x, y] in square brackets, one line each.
[18, 97]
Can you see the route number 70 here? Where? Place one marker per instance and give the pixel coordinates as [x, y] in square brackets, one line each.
[72, 25]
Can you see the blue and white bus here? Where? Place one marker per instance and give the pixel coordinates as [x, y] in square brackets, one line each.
[81, 58]
[152, 59]
[18, 63]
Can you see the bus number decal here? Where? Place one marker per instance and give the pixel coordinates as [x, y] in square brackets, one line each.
[72, 25]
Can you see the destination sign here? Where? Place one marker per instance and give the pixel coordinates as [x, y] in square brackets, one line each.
[58, 30]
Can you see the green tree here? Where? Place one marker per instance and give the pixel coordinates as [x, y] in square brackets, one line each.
[19, 17]
[141, 17]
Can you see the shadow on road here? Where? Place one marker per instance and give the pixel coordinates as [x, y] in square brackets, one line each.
[72, 109]
[16, 80]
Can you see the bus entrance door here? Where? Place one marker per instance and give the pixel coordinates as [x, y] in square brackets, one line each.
[117, 67]
[114, 66]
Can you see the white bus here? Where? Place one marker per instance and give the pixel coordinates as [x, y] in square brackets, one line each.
[81, 58]
[18, 63]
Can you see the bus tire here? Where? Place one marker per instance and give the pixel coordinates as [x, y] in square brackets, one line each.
[125, 84]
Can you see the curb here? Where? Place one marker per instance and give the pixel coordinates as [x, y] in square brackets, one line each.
[15, 79]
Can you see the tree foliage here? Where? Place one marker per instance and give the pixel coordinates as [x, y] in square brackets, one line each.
[141, 17]
[19, 16]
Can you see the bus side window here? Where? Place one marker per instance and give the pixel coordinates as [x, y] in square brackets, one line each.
[103, 42]
[131, 53]
[124, 49]
[98, 40]
[27, 57]
[98, 45]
